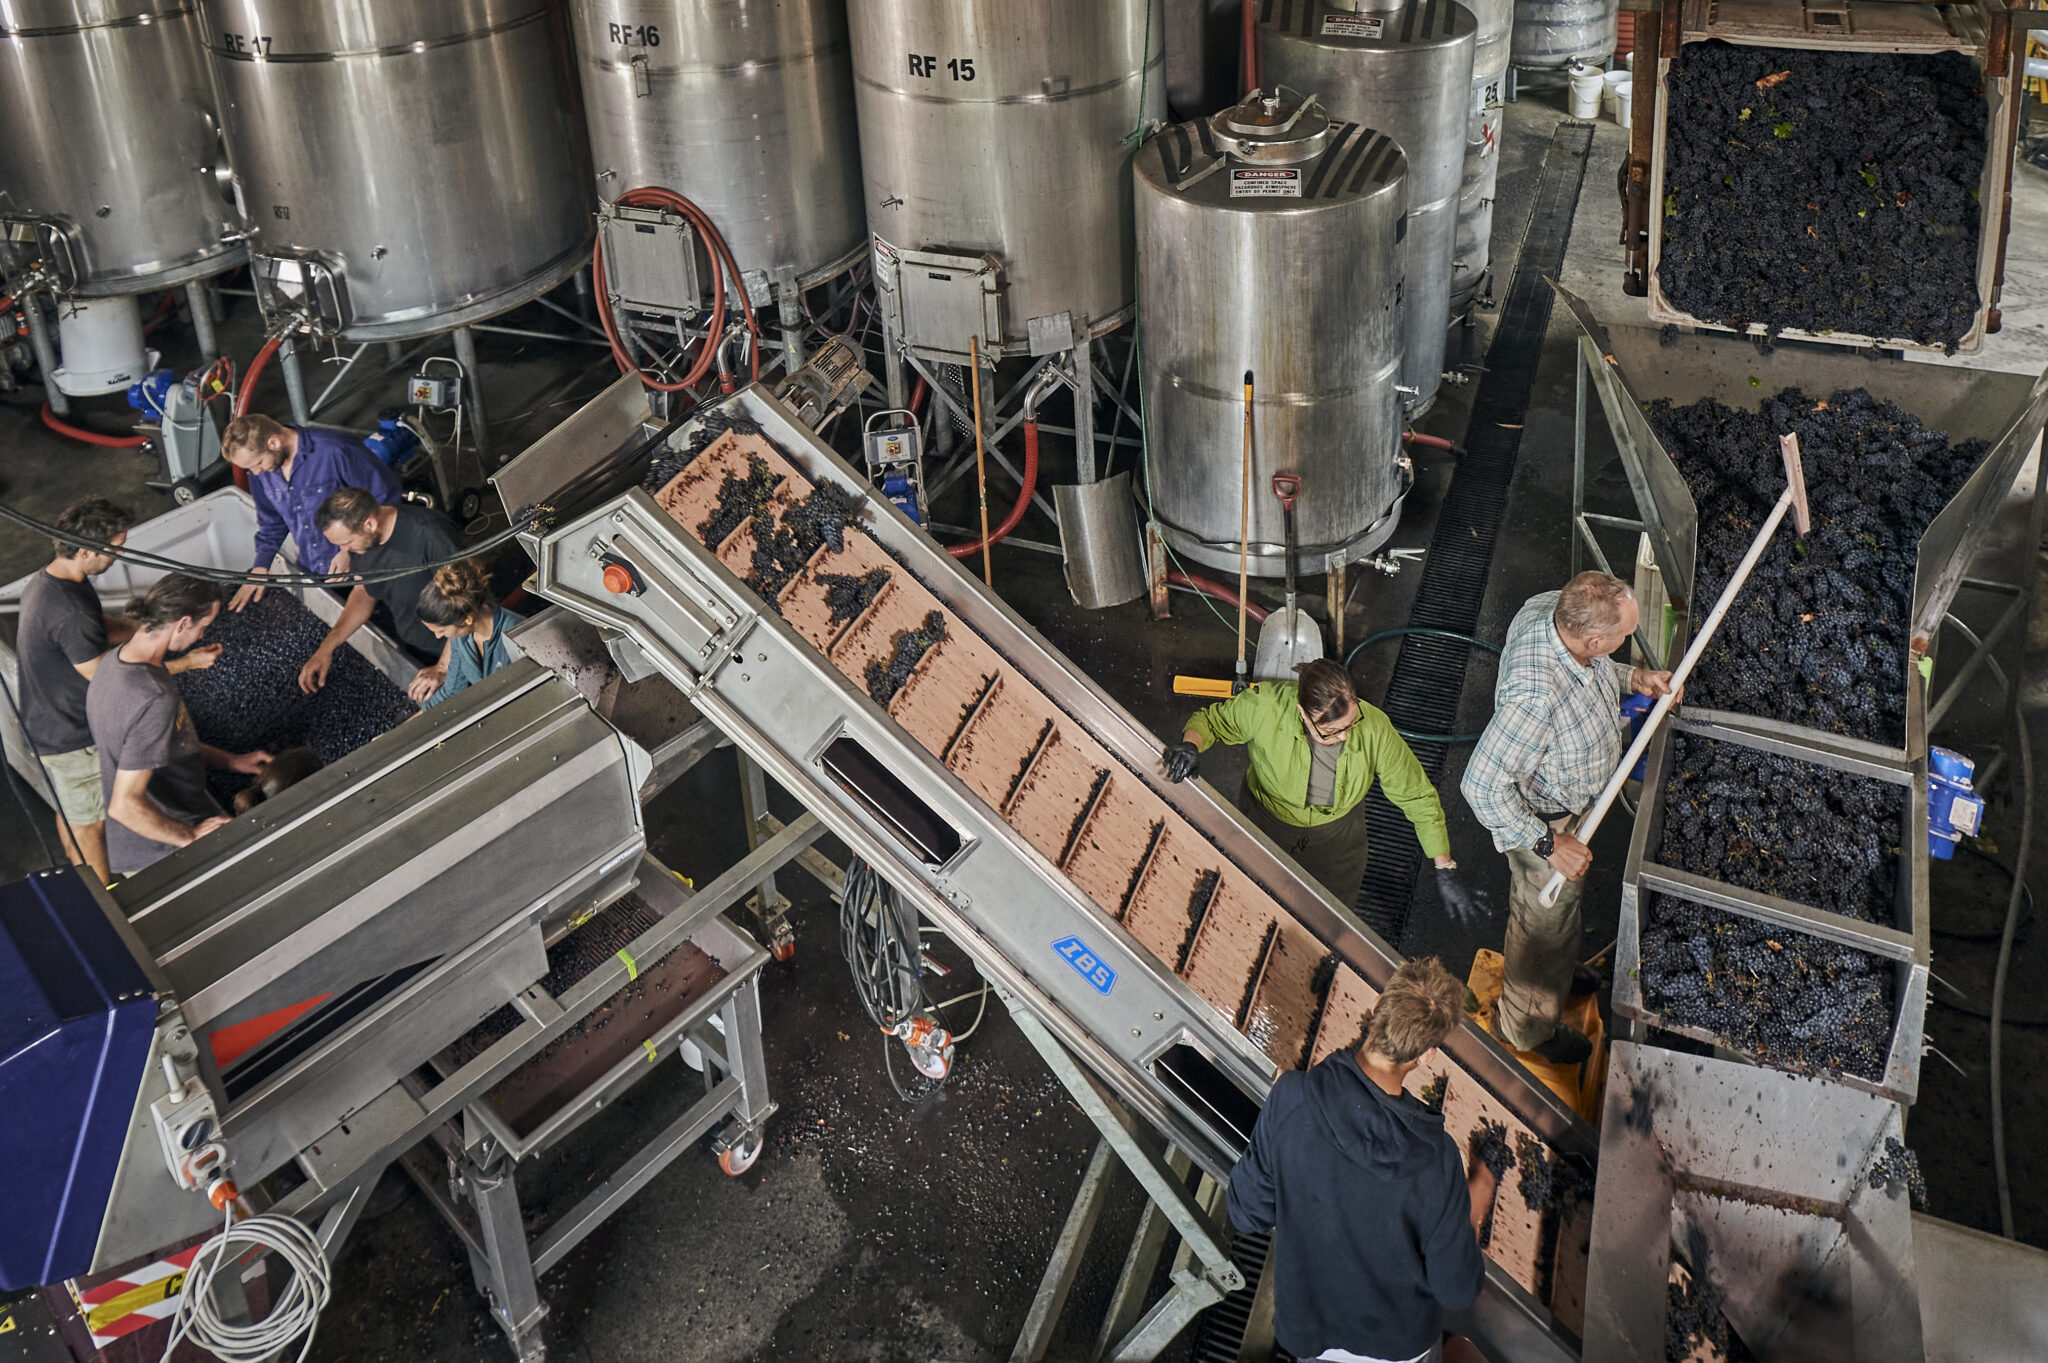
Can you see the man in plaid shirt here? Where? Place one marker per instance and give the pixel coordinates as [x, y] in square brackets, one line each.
[1553, 742]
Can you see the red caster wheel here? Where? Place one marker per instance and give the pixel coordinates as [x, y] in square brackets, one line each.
[740, 1156]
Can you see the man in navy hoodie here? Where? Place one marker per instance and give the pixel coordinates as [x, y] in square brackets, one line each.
[1373, 1214]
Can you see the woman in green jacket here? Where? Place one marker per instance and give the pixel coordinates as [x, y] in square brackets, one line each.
[1315, 751]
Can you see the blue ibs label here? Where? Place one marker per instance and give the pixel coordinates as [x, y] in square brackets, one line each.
[1082, 959]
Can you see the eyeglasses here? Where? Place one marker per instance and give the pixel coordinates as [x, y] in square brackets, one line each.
[1332, 735]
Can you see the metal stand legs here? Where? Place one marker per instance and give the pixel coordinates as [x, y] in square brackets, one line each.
[1202, 1272]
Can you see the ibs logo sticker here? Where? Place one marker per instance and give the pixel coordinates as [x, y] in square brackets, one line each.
[1082, 959]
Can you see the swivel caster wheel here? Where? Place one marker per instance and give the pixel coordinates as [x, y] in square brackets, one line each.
[186, 491]
[740, 1156]
[934, 1063]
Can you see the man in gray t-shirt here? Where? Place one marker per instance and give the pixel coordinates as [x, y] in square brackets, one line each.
[152, 764]
[58, 644]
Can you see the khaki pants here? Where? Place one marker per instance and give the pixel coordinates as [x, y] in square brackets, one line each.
[1542, 949]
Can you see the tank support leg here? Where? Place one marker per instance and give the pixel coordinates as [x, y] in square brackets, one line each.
[46, 354]
[295, 382]
[202, 321]
[789, 309]
[1336, 582]
[1084, 412]
[473, 397]
[892, 363]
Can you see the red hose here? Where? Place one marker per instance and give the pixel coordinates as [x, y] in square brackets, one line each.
[1017, 509]
[1250, 39]
[112, 442]
[163, 310]
[248, 389]
[723, 264]
[917, 396]
[1428, 442]
[1196, 583]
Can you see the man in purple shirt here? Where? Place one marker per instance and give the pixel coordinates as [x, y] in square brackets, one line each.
[291, 470]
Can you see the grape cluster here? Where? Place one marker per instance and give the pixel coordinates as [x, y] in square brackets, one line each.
[846, 596]
[885, 679]
[1824, 191]
[784, 546]
[1489, 1145]
[1783, 827]
[1696, 1323]
[1549, 1182]
[1782, 996]
[740, 499]
[1433, 1093]
[663, 468]
[1819, 635]
[250, 697]
[1898, 1170]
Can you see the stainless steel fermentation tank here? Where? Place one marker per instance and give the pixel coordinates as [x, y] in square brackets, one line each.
[110, 149]
[743, 107]
[1268, 240]
[1473, 251]
[407, 167]
[1555, 33]
[995, 140]
[1405, 70]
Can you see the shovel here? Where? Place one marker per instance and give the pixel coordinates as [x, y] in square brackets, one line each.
[1793, 499]
[1288, 637]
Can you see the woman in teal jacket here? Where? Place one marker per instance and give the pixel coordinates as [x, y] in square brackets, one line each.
[458, 607]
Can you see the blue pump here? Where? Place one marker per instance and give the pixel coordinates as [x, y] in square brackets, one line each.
[1954, 810]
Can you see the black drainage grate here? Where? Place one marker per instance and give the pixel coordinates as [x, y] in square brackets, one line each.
[1429, 674]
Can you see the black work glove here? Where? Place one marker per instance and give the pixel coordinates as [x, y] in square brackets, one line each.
[1183, 759]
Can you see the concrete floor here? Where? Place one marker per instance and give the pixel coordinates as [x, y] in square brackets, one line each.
[878, 1229]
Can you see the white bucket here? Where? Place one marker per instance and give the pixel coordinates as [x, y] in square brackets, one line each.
[1610, 80]
[1624, 96]
[1587, 83]
[100, 341]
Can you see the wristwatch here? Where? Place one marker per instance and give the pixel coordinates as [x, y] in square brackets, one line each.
[1545, 845]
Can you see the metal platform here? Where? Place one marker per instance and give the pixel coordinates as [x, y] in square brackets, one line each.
[705, 995]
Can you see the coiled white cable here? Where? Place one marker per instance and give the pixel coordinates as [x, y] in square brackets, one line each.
[297, 1312]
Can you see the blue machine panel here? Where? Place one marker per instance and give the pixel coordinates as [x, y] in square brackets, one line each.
[76, 1015]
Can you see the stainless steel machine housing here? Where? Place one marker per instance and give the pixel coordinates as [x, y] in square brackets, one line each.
[1407, 72]
[110, 150]
[998, 137]
[406, 168]
[1304, 292]
[744, 109]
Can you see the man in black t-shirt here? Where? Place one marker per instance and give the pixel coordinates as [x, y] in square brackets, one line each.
[378, 538]
[63, 633]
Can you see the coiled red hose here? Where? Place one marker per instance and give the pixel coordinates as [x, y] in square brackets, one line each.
[1019, 507]
[112, 442]
[1196, 583]
[722, 265]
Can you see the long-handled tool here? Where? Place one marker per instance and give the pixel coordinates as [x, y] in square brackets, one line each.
[1793, 499]
[1289, 637]
[1244, 534]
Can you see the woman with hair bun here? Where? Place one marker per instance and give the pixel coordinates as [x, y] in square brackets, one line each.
[152, 764]
[457, 606]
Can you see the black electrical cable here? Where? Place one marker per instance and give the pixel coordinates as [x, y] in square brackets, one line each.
[246, 577]
[1428, 632]
[883, 955]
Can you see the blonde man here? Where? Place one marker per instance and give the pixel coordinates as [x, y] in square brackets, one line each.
[291, 471]
[1373, 1213]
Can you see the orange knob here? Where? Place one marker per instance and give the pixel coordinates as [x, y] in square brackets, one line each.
[618, 579]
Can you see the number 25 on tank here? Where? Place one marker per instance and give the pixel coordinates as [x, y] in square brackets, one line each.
[1086, 962]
